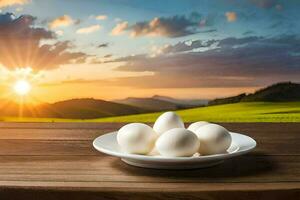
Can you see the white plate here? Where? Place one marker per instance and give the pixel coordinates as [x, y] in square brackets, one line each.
[107, 144]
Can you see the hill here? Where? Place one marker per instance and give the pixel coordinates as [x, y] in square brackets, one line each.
[74, 108]
[161, 103]
[237, 112]
[234, 99]
[280, 92]
[88, 108]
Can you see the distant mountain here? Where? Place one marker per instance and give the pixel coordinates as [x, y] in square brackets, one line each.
[183, 102]
[75, 108]
[161, 103]
[149, 104]
[280, 92]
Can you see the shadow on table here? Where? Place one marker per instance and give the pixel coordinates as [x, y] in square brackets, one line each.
[247, 165]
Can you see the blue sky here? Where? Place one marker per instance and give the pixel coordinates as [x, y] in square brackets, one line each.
[251, 17]
[185, 49]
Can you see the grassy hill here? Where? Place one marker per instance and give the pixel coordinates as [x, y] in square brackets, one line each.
[279, 92]
[237, 112]
[227, 100]
[75, 108]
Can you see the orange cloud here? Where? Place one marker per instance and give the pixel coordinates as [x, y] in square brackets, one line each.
[231, 16]
[89, 29]
[20, 45]
[101, 17]
[174, 26]
[61, 21]
[119, 28]
[5, 3]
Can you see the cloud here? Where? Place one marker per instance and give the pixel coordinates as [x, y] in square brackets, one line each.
[232, 42]
[231, 16]
[101, 17]
[89, 29]
[59, 32]
[234, 62]
[20, 45]
[267, 4]
[183, 46]
[6, 3]
[61, 21]
[108, 56]
[117, 19]
[103, 45]
[119, 28]
[276, 25]
[19, 9]
[279, 7]
[248, 33]
[175, 26]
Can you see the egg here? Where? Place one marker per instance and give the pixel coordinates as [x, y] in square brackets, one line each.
[136, 138]
[167, 121]
[177, 142]
[214, 139]
[194, 126]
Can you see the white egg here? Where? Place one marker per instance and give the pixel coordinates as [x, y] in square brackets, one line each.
[177, 142]
[194, 126]
[213, 138]
[167, 121]
[136, 138]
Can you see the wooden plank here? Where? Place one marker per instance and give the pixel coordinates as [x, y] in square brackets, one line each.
[90, 130]
[47, 147]
[84, 147]
[248, 191]
[244, 169]
[60, 125]
[146, 187]
[51, 134]
[265, 126]
[83, 134]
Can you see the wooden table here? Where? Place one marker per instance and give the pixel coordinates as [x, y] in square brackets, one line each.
[57, 161]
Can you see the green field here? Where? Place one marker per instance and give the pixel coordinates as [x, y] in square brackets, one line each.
[238, 112]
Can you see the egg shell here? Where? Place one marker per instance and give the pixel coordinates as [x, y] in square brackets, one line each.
[136, 138]
[194, 126]
[177, 142]
[214, 139]
[167, 121]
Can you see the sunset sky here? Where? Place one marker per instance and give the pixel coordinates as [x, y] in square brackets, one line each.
[112, 49]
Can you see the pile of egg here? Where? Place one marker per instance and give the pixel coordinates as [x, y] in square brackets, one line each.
[168, 137]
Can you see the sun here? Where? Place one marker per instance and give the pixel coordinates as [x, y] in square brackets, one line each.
[22, 87]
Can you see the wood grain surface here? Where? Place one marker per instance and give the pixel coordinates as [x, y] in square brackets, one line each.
[57, 161]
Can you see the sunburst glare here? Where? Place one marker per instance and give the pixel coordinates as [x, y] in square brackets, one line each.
[22, 87]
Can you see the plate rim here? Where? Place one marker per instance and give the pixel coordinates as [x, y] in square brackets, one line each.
[173, 159]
